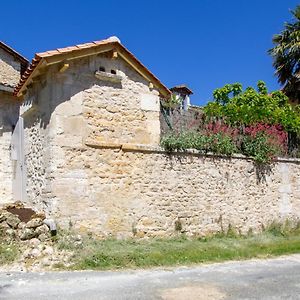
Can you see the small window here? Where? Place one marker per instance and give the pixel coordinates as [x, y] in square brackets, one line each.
[113, 72]
[102, 69]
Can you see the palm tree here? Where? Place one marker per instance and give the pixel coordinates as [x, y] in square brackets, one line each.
[286, 56]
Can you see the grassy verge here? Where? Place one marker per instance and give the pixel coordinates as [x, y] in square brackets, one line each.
[8, 252]
[116, 254]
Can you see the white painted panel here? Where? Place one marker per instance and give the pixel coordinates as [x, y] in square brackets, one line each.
[17, 156]
[150, 102]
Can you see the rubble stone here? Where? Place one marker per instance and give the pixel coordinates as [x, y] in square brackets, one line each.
[4, 215]
[48, 250]
[43, 237]
[42, 229]
[4, 225]
[33, 223]
[34, 242]
[39, 215]
[27, 233]
[12, 220]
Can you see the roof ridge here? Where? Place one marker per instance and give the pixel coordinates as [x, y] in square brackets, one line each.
[73, 48]
[79, 47]
[13, 52]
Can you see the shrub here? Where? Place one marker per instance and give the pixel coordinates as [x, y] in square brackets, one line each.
[222, 144]
[216, 143]
[258, 148]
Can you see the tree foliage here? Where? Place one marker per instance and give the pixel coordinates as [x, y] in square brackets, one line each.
[238, 107]
[286, 55]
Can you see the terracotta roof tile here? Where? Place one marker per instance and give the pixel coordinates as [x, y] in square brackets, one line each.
[63, 50]
[98, 42]
[72, 48]
[51, 52]
[41, 54]
[60, 51]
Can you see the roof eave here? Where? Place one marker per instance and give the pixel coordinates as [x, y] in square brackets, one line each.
[28, 80]
[48, 58]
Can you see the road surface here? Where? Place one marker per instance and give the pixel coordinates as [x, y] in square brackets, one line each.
[277, 278]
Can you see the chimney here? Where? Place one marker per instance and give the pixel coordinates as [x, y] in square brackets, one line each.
[184, 93]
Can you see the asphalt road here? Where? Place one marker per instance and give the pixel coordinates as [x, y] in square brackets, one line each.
[255, 279]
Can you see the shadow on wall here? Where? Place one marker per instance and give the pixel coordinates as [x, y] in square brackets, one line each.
[50, 96]
[9, 113]
[10, 61]
[262, 171]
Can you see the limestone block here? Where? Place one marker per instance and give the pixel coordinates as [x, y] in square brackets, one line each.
[72, 107]
[150, 102]
[33, 223]
[43, 229]
[73, 125]
[69, 140]
[43, 237]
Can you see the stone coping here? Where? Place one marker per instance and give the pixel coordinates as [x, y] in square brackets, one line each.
[128, 147]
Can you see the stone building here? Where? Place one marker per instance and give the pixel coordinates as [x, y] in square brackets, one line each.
[86, 123]
[12, 66]
[75, 98]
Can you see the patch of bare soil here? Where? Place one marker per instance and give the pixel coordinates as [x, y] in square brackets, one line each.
[202, 292]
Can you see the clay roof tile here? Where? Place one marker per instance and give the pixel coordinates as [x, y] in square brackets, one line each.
[39, 56]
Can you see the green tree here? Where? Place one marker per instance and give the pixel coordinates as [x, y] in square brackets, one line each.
[237, 107]
[286, 56]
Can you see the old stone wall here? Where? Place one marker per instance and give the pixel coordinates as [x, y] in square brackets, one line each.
[126, 192]
[120, 112]
[92, 162]
[178, 120]
[9, 112]
[36, 113]
[75, 108]
[10, 69]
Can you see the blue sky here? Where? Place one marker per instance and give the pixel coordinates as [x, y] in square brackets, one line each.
[204, 44]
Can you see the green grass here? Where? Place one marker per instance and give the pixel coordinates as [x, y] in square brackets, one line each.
[8, 252]
[116, 254]
[134, 253]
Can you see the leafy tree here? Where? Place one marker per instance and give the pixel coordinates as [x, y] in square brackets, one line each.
[286, 56]
[236, 107]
